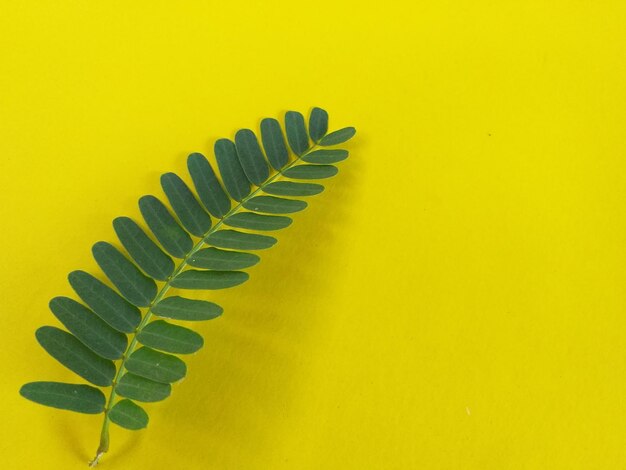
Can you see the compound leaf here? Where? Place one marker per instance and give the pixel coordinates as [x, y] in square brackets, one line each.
[201, 242]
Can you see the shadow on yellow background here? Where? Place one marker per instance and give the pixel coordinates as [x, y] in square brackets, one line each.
[453, 300]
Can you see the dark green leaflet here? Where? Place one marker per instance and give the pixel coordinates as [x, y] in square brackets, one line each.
[89, 328]
[318, 124]
[233, 175]
[138, 289]
[296, 132]
[251, 156]
[142, 249]
[291, 188]
[222, 260]
[155, 365]
[338, 137]
[185, 205]
[311, 172]
[179, 308]
[105, 302]
[207, 185]
[74, 355]
[129, 415]
[170, 235]
[274, 205]
[211, 280]
[240, 240]
[326, 156]
[274, 143]
[171, 338]
[137, 388]
[252, 221]
[73, 397]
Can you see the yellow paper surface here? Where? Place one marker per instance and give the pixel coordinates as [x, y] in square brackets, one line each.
[454, 300]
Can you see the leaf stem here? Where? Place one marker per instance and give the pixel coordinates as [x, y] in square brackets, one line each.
[104, 435]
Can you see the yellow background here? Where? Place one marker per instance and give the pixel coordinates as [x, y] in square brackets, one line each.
[454, 300]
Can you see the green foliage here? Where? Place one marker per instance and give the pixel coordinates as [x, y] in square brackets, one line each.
[118, 337]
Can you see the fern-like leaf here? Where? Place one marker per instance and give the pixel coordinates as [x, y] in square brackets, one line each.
[124, 338]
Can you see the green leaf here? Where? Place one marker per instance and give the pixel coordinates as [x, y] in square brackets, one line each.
[142, 249]
[72, 397]
[252, 221]
[296, 132]
[185, 205]
[74, 355]
[326, 156]
[240, 240]
[155, 365]
[89, 328]
[233, 175]
[171, 338]
[105, 302]
[274, 205]
[207, 186]
[251, 157]
[165, 228]
[291, 188]
[147, 363]
[338, 137]
[212, 280]
[179, 308]
[311, 172]
[274, 143]
[129, 415]
[222, 260]
[137, 388]
[318, 124]
[138, 288]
